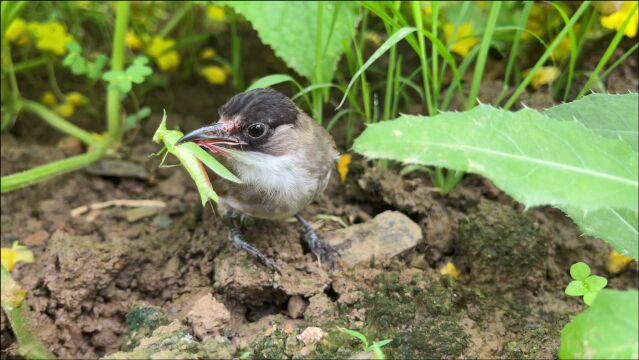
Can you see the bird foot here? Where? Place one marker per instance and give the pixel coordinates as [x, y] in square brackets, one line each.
[236, 237]
[324, 252]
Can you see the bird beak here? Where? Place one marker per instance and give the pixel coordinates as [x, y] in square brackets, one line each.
[210, 136]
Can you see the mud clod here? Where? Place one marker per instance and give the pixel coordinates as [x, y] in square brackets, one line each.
[502, 247]
[296, 306]
[320, 309]
[208, 317]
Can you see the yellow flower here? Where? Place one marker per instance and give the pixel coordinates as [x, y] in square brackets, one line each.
[215, 74]
[342, 166]
[16, 30]
[168, 61]
[83, 4]
[77, 99]
[463, 40]
[616, 20]
[49, 99]
[207, 53]
[545, 75]
[159, 46]
[216, 13]
[427, 8]
[159, 50]
[374, 37]
[66, 109]
[10, 256]
[51, 36]
[616, 262]
[132, 40]
[450, 270]
[562, 50]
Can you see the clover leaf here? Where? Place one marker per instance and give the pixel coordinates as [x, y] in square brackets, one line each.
[584, 284]
[134, 74]
[74, 60]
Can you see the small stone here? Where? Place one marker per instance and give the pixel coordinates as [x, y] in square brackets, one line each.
[311, 335]
[208, 317]
[36, 239]
[70, 145]
[296, 306]
[387, 235]
[136, 214]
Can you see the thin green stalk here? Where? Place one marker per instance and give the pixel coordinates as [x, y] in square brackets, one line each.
[53, 82]
[480, 65]
[114, 120]
[434, 56]
[166, 30]
[44, 172]
[13, 295]
[619, 61]
[56, 121]
[542, 60]
[317, 94]
[236, 55]
[8, 63]
[30, 64]
[365, 88]
[417, 14]
[396, 82]
[388, 93]
[514, 51]
[573, 59]
[609, 51]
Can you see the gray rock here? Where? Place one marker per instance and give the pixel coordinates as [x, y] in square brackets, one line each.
[296, 306]
[388, 234]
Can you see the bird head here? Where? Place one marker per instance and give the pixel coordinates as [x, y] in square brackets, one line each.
[260, 120]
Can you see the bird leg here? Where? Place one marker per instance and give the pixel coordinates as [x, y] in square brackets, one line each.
[237, 238]
[323, 251]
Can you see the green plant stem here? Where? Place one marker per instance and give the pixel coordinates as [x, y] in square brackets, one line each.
[514, 51]
[542, 60]
[609, 51]
[166, 30]
[30, 64]
[619, 61]
[10, 72]
[53, 82]
[44, 172]
[236, 55]
[434, 56]
[417, 14]
[29, 345]
[114, 121]
[483, 54]
[56, 121]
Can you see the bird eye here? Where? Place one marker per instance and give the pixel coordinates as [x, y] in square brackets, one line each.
[256, 131]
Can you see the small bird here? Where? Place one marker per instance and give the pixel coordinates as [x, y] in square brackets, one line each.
[283, 157]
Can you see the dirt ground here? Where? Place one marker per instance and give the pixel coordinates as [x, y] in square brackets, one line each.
[166, 282]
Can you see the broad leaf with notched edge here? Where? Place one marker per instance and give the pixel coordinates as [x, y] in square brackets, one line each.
[606, 330]
[611, 116]
[616, 117]
[535, 159]
[291, 30]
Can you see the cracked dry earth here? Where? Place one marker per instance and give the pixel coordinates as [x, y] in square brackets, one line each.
[165, 283]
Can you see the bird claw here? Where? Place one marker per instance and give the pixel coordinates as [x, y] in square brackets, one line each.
[238, 240]
[324, 252]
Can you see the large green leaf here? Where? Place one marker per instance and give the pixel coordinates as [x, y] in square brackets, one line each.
[606, 330]
[617, 226]
[535, 159]
[612, 116]
[291, 29]
[615, 117]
